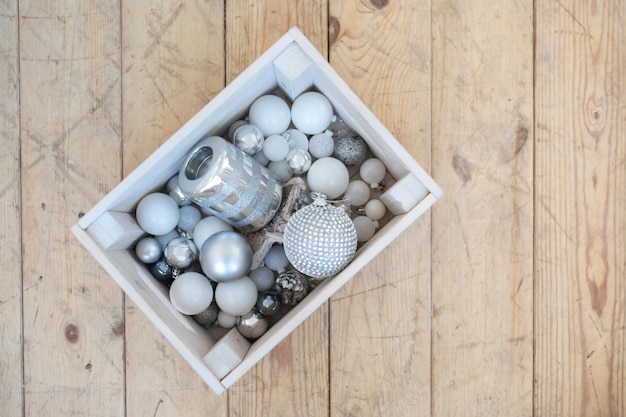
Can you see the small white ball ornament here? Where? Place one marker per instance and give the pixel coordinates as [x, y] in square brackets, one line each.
[357, 193]
[276, 260]
[328, 176]
[311, 113]
[225, 320]
[276, 148]
[296, 139]
[189, 218]
[375, 209]
[365, 228]
[236, 297]
[322, 145]
[191, 293]
[320, 239]
[226, 256]
[263, 278]
[157, 214]
[270, 114]
[373, 171]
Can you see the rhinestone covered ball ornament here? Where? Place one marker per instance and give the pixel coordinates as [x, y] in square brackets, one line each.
[320, 239]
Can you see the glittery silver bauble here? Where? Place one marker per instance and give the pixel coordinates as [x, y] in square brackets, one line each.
[299, 161]
[292, 287]
[351, 150]
[148, 250]
[252, 324]
[208, 316]
[320, 239]
[180, 252]
[248, 138]
[268, 303]
[226, 256]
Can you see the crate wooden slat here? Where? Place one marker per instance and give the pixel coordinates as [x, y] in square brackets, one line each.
[274, 69]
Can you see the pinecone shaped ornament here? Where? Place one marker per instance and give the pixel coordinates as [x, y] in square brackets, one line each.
[320, 239]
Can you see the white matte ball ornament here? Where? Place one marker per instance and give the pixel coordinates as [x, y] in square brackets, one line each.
[276, 148]
[321, 145]
[191, 293]
[226, 256]
[328, 176]
[281, 170]
[296, 139]
[365, 228]
[375, 209]
[207, 227]
[270, 114]
[225, 320]
[157, 214]
[373, 171]
[236, 297]
[357, 193]
[311, 113]
[276, 260]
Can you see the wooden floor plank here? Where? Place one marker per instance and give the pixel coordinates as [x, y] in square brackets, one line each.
[380, 321]
[580, 214]
[70, 119]
[11, 399]
[173, 60]
[482, 121]
[293, 379]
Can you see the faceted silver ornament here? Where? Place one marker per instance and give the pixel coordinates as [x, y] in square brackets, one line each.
[320, 239]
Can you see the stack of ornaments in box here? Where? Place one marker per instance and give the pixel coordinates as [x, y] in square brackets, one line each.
[251, 224]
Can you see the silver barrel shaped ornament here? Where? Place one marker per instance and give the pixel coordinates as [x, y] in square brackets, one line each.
[233, 186]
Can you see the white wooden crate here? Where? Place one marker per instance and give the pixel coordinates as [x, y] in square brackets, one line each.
[109, 231]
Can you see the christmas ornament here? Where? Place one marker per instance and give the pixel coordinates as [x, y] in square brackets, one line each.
[311, 113]
[189, 218]
[207, 227]
[296, 139]
[263, 278]
[220, 177]
[351, 150]
[373, 171]
[231, 129]
[365, 228]
[322, 145]
[148, 250]
[281, 170]
[299, 161]
[292, 287]
[276, 260]
[252, 324]
[236, 297]
[357, 193]
[157, 214]
[165, 239]
[328, 176]
[226, 320]
[173, 190]
[191, 293]
[208, 316]
[226, 256]
[276, 148]
[248, 138]
[180, 252]
[270, 114]
[268, 303]
[375, 209]
[162, 271]
[320, 239]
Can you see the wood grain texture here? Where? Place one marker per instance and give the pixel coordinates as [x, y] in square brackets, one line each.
[380, 321]
[11, 400]
[293, 379]
[173, 55]
[580, 215]
[482, 121]
[70, 118]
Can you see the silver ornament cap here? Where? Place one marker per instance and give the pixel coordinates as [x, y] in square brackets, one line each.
[320, 239]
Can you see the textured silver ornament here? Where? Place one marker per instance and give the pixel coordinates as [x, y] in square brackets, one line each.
[320, 239]
[208, 316]
[292, 287]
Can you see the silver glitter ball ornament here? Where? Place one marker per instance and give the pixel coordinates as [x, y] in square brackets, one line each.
[252, 324]
[320, 239]
[268, 303]
[292, 286]
[248, 138]
[180, 252]
[351, 150]
[208, 316]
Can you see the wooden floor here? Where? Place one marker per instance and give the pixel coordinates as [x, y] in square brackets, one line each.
[507, 299]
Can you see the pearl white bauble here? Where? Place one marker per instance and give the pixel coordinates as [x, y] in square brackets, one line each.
[236, 297]
[311, 113]
[225, 320]
[207, 227]
[157, 214]
[328, 176]
[321, 145]
[296, 139]
[270, 114]
[357, 193]
[372, 171]
[365, 228]
[276, 148]
[226, 256]
[375, 209]
[191, 293]
[276, 259]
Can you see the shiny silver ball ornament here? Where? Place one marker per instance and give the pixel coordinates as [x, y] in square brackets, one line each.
[162, 271]
[226, 256]
[268, 303]
[248, 138]
[180, 252]
[292, 286]
[148, 250]
[320, 239]
[299, 161]
[252, 324]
